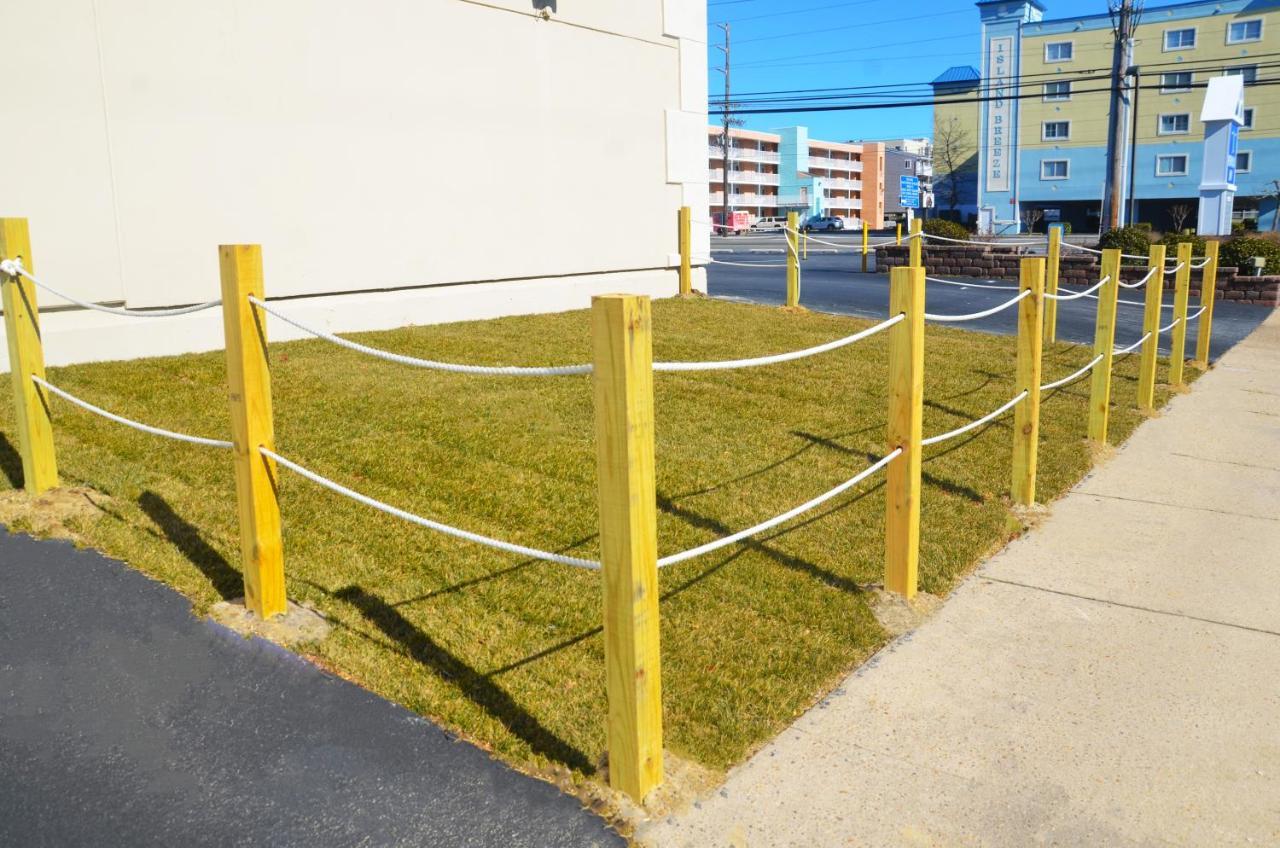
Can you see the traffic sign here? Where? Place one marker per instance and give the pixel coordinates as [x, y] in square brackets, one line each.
[908, 185]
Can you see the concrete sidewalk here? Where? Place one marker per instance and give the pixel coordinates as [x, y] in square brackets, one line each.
[1112, 678]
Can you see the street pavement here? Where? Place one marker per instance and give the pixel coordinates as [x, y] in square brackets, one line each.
[125, 720]
[833, 283]
[1110, 678]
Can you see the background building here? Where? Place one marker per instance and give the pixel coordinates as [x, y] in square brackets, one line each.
[1044, 150]
[779, 172]
[443, 159]
[909, 157]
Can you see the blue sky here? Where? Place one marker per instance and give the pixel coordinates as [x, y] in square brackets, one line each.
[796, 44]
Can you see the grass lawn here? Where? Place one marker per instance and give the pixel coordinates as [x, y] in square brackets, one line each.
[509, 651]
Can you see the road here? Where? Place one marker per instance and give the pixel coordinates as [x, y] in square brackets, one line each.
[832, 283]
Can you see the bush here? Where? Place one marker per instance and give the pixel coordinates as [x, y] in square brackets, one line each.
[1142, 225]
[1132, 240]
[1239, 252]
[944, 228]
[1172, 240]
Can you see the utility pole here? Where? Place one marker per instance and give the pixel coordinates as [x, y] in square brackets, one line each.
[1124, 18]
[725, 142]
[1136, 73]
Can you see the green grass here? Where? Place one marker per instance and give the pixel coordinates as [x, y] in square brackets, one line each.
[509, 651]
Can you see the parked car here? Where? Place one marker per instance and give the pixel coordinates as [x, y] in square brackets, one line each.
[827, 223]
[769, 222]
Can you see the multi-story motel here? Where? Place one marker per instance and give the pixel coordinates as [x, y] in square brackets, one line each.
[1046, 149]
[146, 134]
[773, 173]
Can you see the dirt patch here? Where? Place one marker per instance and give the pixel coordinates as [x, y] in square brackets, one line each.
[53, 514]
[684, 783]
[897, 615]
[299, 625]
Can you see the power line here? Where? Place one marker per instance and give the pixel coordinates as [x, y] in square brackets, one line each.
[796, 11]
[859, 25]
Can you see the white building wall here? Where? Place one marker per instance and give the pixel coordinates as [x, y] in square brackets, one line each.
[366, 146]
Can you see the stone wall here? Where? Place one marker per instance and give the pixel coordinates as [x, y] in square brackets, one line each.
[1075, 269]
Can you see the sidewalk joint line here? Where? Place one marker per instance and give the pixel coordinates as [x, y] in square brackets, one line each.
[1227, 462]
[1181, 506]
[1137, 607]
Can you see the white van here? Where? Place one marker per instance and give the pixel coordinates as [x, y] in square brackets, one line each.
[769, 223]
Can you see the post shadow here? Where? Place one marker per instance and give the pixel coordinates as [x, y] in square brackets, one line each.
[10, 462]
[942, 483]
[186, 537]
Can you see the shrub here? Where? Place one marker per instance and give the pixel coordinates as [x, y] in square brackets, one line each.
[944, 228]
[1133, 240]
[1172, 240]
[1142, 225]
[1240, 252]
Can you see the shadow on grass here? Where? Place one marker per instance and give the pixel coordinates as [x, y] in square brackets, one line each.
[10, 462]
[186, 537]
[949, 486]
[477, 687]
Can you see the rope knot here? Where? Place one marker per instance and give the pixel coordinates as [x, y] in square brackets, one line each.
[12, 267]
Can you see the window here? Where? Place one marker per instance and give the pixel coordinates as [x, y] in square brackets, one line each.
[1175, 81]
[1248, 118]
[1179, 39]
[1171, 165]
[1175, 124]
[1249, 72]
[1054, 169]
[1051, 130]
[1057, 91]
[1059, 51]
[1244, 161]
[1240, 31]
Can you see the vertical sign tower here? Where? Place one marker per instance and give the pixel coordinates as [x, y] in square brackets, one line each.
[1223, 115]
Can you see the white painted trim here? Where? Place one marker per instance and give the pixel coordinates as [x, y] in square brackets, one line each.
[1044, 129]
[1056, 98]
[1262, 26]
[1169, 90]
[1247, 170]
[1049, 44]
[1249, 126]
[1164, 39]
[1160, 130]
[1186, 158]
[1066, 176]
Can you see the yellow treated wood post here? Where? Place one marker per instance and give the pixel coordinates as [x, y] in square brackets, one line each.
[1026, 415]
[1151, 314]
[686, 251]
[1104, 342]
[1208, 295]
[805, 238]
[917, 244]
[623, 388]
[249, 391]
[899, 234]
[906, 402]
[1052, 270]
[26, 360]
[1181, 292]
[793, 261]
[864, 247]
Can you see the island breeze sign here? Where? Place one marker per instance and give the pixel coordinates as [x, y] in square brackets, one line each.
[999, 112]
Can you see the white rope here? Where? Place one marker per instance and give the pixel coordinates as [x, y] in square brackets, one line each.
[146, 428]
[1194, 315]
[501, 371]
[1025, 293]
[1175, 269]
[748, 264]
[969, 285]
[1169, 326]
[1151, 273]
[1079, 247]
[990, 416]
[784, 517]
[856, 246]
[985, 243]
[1201, 265]
[427, 522]
[720, 365]
[13, 267]
[1131, 348]
[1071, 378]
[1082, 293]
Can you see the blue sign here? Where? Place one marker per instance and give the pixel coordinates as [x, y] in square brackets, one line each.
[908, 185]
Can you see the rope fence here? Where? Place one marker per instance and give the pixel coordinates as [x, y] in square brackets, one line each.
[128, 422]
[973, 316]
[14, 267]
[1072, 377]
[976, 423]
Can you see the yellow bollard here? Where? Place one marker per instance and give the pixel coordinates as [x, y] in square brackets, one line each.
[1026, 415]
[1151, 324]
[864, 247]
[1052, 269]
[793, 261]
[1208, 294]
[623, 387]
[805, 242]
[1181, 291]
[249, 391]
[686, 247]
[26, 360]
[906, 408]
[1104, 342]
[917, 245]
[899, 234]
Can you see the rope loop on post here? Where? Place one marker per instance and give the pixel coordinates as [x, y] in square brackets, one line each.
[13, 267]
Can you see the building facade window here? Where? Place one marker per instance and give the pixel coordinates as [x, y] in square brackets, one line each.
[1175, 81]
[1059, 51]
[1055, 130]
[1248, 118]
[1171, 165]
[1179, 39]
[1242, 31]
[1057, 90]
[1055, 169]
[1175, 124]
[1244, 161]
[1249, 72]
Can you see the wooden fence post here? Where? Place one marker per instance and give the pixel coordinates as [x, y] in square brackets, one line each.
[1151, 314]
[1026, 415]
[917, 244]
[1208, 295]
[249, 391]
[1104, 342]
[686, 248]
[26, 360]
[793, 261]
[805, 241]
[1181, 291]
[906, 400]
[899, 234]
[1052, 271]
[864, 246]
[623, 387]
